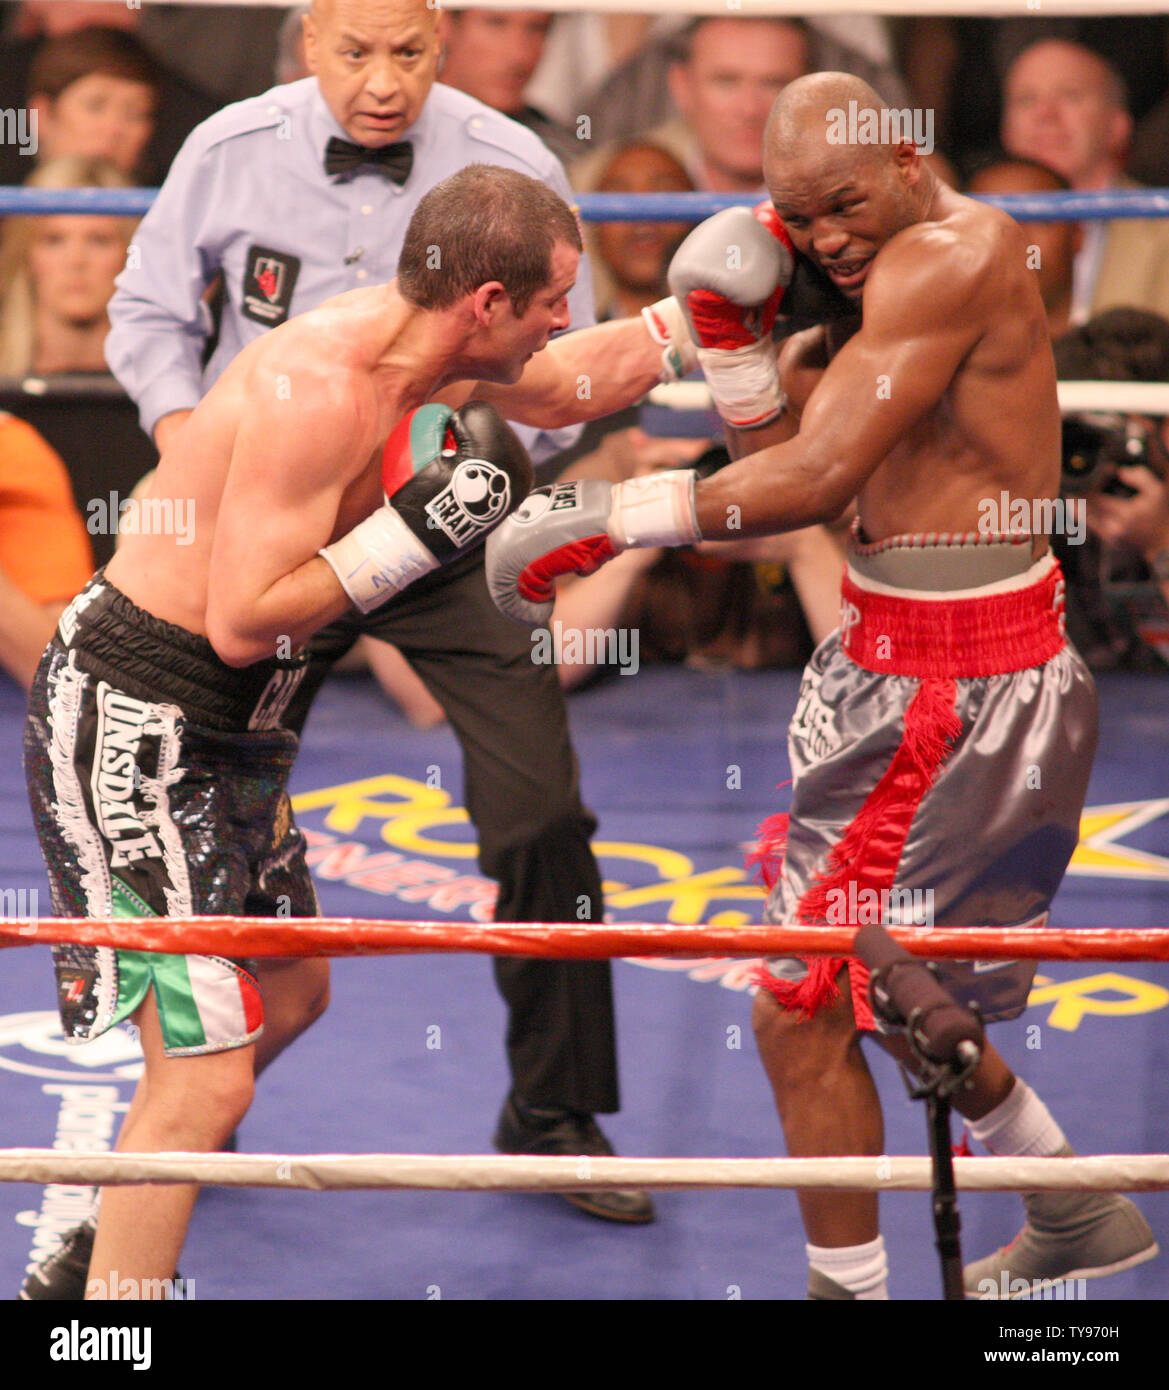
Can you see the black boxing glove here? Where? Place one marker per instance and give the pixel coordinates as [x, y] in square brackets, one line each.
[449, 477]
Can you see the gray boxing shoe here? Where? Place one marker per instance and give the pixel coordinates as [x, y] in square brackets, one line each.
[1068, 1235]
[821, 1287]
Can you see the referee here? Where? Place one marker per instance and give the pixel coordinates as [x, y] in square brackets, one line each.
[293, 197]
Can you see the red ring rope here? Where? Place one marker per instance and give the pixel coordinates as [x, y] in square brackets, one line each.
[357, 936]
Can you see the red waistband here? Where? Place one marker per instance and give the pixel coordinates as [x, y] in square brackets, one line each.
[975, 634]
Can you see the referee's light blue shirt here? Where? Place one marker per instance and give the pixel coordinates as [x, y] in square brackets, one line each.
[249, 187]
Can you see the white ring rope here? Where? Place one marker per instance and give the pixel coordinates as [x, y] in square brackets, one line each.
[506, 1173]
[1075, 397]
[1116, 397]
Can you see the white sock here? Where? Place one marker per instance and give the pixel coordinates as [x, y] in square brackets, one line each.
[1020, 1127]
[863, 1269]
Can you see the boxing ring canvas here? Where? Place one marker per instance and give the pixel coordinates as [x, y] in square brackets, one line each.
[680, 768]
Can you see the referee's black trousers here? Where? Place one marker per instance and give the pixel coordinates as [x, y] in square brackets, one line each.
[522, 790]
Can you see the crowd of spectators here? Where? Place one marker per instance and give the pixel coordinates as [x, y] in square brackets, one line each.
[629, 103]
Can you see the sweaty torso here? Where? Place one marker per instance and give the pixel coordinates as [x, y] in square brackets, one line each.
[317, 363]
[996, 427]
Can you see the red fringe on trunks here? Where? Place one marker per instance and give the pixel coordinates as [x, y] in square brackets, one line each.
[870, 849]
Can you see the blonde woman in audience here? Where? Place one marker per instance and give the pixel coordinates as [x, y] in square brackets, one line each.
[57, 277]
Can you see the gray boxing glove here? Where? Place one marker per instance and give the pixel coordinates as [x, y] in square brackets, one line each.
[575, 527]
[729, 278]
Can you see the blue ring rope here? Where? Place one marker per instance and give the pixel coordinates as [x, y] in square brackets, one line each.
[636, 207]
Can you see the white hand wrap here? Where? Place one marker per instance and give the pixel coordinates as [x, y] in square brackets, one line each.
[667, 325]
[744, 383]
[655, 510]
[377, 559]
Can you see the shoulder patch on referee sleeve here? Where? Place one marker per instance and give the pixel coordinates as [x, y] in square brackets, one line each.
[514, 140]
[247, 118]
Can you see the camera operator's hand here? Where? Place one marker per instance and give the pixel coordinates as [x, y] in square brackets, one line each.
[1141, 521]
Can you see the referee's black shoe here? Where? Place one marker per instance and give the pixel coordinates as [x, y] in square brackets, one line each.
[560, 1133]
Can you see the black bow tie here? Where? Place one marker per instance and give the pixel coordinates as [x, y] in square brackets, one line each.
[392, 161]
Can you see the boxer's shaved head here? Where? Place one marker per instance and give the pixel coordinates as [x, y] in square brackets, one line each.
[842, 173]
[803, 119]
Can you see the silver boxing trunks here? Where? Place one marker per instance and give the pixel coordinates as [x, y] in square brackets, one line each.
[940, 752]
[157, 777]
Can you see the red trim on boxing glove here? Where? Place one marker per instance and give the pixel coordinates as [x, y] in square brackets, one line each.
[717, 329]
[579, 557]
[766, 215]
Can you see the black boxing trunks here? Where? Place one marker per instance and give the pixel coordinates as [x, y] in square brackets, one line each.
[940, 751]
[157, 776]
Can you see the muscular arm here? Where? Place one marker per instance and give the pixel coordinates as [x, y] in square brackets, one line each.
[581, 376]
[922, 316]
[289, 469]
[802, 360]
